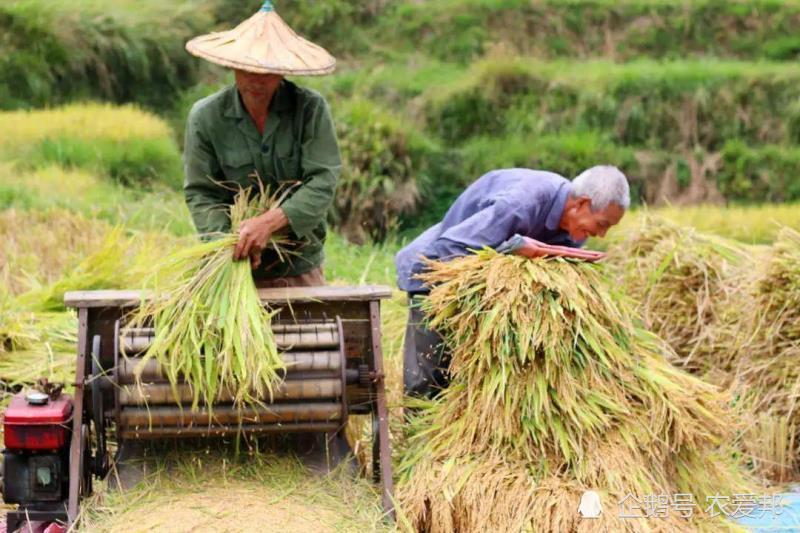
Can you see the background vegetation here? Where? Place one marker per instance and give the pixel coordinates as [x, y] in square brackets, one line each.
[698, 101]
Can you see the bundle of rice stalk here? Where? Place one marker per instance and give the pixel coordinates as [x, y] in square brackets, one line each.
[555, 391]
[684, 282]
[105, 268]
[34, 345]
[24, 330]
[211, 329]
[13, 331]
[768, 360]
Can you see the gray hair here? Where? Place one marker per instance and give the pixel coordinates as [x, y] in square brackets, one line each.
[603, 185]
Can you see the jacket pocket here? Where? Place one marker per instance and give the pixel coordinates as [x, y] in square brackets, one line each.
[287, 166]
[237, 165]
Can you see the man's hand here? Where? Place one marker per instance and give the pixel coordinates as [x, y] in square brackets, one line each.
[254, 235]
[533, 248]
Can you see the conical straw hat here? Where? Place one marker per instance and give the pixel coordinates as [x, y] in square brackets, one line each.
[263, 44]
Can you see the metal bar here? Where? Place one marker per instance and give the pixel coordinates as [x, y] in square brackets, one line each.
[76, 445]
[324, 337]
[162, 393]
[280, 327]
[343, 376]
[290, 327]
[218, 431]
[382, 410]
[282, 296]
[159, 416]
[330, 360]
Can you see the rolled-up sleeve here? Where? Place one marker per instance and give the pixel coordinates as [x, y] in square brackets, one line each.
[321, 166]
[206, 200]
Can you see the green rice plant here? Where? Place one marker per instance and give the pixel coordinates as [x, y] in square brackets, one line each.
[113, 265]
[43, 191]
[683, 282]
[60, 51]
[89, 136]
[211, 328]
[557, 389]
[38, 247]
[34, 345]
[48, 350]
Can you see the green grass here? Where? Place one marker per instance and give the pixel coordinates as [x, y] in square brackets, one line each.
[130, 146]
[355, 264]
[460, 30]
[742, 174]
[642, 103]
[53, 187]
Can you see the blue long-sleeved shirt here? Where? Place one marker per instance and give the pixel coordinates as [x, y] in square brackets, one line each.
[494, 208]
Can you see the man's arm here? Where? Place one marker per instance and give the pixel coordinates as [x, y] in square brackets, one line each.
[488, 227]
[206, 200]
[532, 248]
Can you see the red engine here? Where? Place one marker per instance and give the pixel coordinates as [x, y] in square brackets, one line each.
[34, 422]
[36, 432]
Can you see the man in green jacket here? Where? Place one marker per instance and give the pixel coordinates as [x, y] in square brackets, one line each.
[262, 131]
[264, 128]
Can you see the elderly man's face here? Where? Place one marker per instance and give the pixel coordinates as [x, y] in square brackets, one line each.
[257, 85]
[581, 222]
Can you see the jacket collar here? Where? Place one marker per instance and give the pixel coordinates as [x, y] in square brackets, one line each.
[557, 207]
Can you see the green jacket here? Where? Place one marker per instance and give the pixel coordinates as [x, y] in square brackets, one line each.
[299, 144]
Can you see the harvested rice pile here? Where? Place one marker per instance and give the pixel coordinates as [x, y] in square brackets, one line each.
[557, 391]
[768, 361]
[684, 283]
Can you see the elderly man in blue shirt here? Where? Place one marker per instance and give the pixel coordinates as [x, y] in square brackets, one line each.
[526, 212]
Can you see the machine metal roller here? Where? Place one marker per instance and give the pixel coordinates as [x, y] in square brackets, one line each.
[163, 393]
[330, 342]
[295, 362]
[163, 416]
[313, 336]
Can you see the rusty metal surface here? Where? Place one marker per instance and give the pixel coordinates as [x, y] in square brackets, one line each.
[315, 338]
[171, 416]
[162, 393]
[296, 362]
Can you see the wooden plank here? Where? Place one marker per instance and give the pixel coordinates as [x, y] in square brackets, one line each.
[382, 412]
[76, 458]
[325, 293]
